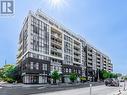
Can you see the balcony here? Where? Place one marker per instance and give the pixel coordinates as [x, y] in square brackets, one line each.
[77, 56]
[56, 43]
[76, 47]
[89, 64]
[56, 54]
[56, 37]
[77, 60]
[56, 50]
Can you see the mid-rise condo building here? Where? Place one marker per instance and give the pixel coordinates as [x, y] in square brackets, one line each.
[45, 46]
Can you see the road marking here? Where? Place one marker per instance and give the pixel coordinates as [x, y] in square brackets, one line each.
[0, 87]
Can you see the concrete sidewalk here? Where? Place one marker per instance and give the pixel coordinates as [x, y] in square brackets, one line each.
[21, 85]
[119, 93]
[49, 85]
[121, 90]
[96, 90]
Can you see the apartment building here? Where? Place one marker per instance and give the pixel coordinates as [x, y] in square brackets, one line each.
[45, 46]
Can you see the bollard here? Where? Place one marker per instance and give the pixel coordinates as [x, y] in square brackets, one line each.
[90, 89]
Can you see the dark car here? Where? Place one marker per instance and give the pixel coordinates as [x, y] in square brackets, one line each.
[112, 82]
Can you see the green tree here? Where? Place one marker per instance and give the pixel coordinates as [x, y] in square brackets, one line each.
[125, 78]
[111, 75]
[115, 76]
[9, 73]
[1, 73]
[55, 76]
[73, 77]
[104, 74]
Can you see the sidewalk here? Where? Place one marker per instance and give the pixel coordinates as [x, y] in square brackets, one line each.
[119, 93]
[49, 85]
[21, 85]
[124, 92]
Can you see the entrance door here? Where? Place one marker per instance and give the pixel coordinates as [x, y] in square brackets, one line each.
[35, 79]
[44, 79]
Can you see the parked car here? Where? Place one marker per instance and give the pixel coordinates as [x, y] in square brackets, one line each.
[111, 82]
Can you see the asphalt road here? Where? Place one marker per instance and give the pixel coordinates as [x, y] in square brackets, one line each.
[27, 90]
[58, 90]
[98, 90]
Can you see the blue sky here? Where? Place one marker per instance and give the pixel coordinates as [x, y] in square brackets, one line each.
[103, 23]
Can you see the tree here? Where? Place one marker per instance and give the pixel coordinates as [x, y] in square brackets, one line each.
[125, 78]
[73, 77]
[9, 73]
[104, 74]
[55, 76]
[115, 76]
[111, 75]
[1, 73]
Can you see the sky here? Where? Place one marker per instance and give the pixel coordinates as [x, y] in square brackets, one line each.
[103, 23]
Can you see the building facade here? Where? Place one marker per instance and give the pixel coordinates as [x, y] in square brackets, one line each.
[45, 46]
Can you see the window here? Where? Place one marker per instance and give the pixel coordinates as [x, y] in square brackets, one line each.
[79, 71]
[66, 70]
[31, 65]
[37, 66]
[68, 59]
[40, 36]
[69, 70]
[44, 80]
[51, 68]
[44, 67]
[59, 69]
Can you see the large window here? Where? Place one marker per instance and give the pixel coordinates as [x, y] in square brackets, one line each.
[44, 67]
[68, 59]
[67, 38]
[40, 36]
[68, 48]
[37, 66]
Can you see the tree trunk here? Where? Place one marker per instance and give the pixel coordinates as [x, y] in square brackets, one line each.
[54, 81]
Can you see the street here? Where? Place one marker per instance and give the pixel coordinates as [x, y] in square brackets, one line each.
[81, 89]
[97, 90]
[23, 89]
